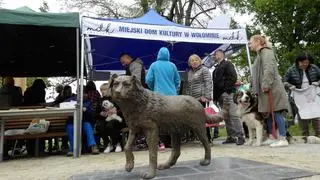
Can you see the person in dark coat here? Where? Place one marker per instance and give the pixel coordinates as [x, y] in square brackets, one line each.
[109, 128]
[224, 79]
[302, 75]
[10, 94]
[36, 94]
[86, 125]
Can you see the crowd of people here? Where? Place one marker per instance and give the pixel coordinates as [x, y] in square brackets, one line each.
[103, 116]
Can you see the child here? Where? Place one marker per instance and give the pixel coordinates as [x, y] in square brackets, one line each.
[110, 122]
[86, 125]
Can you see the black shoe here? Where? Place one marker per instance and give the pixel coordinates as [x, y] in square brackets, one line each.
[69, 154]
[229, 140]
[215, 136]
[94, 150]
[240, 141]
[305, 139]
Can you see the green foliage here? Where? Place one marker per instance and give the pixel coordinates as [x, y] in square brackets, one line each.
[292, 25]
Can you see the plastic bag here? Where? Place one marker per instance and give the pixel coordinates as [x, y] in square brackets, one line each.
[38, 126]
[209, 111]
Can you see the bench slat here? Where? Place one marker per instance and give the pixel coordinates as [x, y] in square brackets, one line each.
[56, 128]
[35, 136]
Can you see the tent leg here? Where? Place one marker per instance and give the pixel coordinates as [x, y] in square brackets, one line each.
[249, 60]
[81, 91]
[78, 116]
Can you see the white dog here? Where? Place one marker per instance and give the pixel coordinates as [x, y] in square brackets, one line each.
[313, 140]
[111, 111]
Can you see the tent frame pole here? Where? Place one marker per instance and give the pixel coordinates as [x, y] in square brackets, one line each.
[77, 124]
[249, 60]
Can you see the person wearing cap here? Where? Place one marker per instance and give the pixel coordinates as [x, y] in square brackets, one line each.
[224, 79]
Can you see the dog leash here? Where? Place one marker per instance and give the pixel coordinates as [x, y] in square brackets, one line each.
[270, 97]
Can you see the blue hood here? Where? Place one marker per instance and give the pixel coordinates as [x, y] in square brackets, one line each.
[163, 54]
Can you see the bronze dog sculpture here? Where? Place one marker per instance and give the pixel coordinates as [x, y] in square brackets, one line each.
[146, 112]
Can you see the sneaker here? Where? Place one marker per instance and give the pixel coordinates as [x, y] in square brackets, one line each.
[280, 143]
[70, 153]
[108, 149]
[240, 141]
[118, 148]
[229, 140]
[162, 147]
[94, 150]
[268, 142]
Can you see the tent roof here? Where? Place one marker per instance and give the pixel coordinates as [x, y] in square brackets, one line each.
[151, 17]
[38, 44]
[143, 37]
[26, 16]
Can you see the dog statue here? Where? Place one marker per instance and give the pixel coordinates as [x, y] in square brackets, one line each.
[146, 112]
[111, 111]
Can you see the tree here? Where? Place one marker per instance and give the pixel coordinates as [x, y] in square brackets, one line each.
[44, 7]
[187, 12]
[292, 25]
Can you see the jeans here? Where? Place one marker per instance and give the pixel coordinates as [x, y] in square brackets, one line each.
[280, 123]
[88, 131]
[231, 117]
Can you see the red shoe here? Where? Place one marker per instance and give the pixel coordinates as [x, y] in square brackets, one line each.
[162, 147]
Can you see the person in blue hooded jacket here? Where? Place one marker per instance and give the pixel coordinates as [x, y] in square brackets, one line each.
[162, 76]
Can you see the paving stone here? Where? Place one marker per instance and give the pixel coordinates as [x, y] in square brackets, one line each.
[221, 168]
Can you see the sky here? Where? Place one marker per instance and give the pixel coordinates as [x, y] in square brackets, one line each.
[56, 6]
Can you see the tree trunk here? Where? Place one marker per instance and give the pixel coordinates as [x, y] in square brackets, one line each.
[188, 13]
[171, 13]
[179, 12]
[159, 6]
[145, 5]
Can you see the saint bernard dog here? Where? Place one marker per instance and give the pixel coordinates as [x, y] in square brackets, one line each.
[248, 111]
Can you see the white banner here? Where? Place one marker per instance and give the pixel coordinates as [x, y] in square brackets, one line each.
[308, 102]
[109, 28]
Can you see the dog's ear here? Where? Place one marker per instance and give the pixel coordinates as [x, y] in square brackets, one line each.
[111, 81]
[235, 97]
[136, 81]
[254, 98]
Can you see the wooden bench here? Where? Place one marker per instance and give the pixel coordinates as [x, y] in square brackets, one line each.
[57, 128]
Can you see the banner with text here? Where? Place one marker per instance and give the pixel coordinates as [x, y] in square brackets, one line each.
[110, 28]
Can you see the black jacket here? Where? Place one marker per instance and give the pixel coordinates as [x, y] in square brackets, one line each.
[294, 75]
[224, 78]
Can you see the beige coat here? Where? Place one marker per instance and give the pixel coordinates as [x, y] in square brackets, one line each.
[266, 75]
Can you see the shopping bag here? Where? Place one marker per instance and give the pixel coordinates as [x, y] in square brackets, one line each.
[210, 111]
[38, 126]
